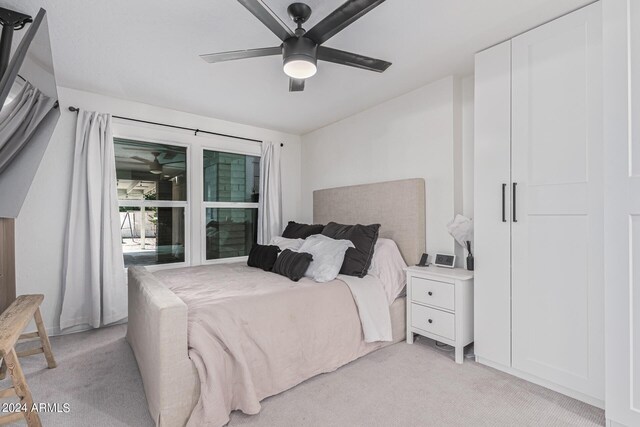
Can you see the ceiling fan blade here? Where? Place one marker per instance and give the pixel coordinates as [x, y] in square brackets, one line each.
[241, 54]
[140, 159]
[296, 85]
[340, 18]
[268, 18]
[172, 163]
[352, 59]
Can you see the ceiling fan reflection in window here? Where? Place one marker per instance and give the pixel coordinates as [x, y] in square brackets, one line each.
[155, 167]
[302, 49]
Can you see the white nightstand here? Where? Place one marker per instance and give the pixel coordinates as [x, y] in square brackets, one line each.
[440, 306]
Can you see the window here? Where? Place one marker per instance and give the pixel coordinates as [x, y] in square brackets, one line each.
[152, 193]
[231, 185]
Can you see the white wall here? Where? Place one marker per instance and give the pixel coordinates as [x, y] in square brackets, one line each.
[467, 146]
[41, 224]
[419, 134]
[426, 133]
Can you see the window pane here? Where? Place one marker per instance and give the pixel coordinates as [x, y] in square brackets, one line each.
[230, 232]
[148, 171]
[231, 177]
[152, 236]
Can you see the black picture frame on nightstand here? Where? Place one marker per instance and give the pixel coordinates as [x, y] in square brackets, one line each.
[423, 261]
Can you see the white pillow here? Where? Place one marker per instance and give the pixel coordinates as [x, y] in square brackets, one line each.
[388, 266]
[284, 243]
[328, 255]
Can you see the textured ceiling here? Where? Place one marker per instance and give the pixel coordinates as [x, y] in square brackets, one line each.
[147, 51]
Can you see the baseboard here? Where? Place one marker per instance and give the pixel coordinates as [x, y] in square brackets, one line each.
[544, 383]
[55, 331]
[611, 423]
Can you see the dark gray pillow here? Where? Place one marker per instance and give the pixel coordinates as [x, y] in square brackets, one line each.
[292, 264]
[263, 256]
[364, 237]
[301, 231]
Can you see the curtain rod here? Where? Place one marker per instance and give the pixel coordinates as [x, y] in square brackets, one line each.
[195, 131]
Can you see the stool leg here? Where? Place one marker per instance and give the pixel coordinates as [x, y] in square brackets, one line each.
[44, 339]
[21, 388]
[3, 369]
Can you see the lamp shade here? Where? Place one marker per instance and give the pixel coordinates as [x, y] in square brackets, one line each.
[461, 229]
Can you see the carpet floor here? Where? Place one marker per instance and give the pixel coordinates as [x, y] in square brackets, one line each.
[401, 385]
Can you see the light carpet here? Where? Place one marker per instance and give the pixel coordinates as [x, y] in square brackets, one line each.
[401, 385]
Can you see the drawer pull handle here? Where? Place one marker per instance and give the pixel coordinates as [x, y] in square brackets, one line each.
[430, 320]
[430, 293]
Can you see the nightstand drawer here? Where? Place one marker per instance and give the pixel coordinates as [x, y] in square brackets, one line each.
[434, 293]
[433, 321]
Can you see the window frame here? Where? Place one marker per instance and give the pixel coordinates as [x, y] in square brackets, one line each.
[224, 205]
[195, 225]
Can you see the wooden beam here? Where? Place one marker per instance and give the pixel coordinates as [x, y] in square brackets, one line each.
[44, 340]
[11, 418]
[133, 185]
[29, 336]
[22, 389]
[8, 392]
[15, 318]
[30, 352]
[7, 263]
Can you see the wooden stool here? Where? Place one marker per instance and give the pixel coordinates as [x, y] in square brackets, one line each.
[12, 323]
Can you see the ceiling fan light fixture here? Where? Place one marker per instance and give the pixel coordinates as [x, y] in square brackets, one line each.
[299, 57]
[300, 69]
[156, 167]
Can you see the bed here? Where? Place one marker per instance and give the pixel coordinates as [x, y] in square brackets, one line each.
[159, 321]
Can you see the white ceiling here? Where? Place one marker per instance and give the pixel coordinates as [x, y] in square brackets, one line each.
[147, 51]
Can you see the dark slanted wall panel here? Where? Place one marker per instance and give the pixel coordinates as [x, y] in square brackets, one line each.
[7, 263]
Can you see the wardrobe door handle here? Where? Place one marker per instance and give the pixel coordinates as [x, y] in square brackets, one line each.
[504, 213]
[515, 218]
[430, 320]
[430, 293]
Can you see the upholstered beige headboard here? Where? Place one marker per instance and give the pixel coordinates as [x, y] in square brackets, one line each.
[399, 206]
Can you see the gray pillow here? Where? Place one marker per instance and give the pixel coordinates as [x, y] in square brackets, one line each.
[292, 264]
[301, 231]
[357, 260]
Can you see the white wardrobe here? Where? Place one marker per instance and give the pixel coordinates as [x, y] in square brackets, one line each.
[622, 210]
[539, 227]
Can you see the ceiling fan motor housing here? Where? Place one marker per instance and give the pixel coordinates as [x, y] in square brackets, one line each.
[299, 49]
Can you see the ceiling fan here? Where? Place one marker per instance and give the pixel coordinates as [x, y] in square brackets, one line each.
[155, 167]
[301, 49]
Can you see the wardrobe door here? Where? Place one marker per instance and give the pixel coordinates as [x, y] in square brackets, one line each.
[492, 240]
[622, 210]
[557, 215]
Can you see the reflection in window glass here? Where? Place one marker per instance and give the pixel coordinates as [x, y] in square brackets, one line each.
[152, 193]
[152, 235]
[230, 232]
[231, 177]
[149, 171]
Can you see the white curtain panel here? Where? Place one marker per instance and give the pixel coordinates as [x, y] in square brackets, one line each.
[270, 203]
[19, 120]
[95, 291]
